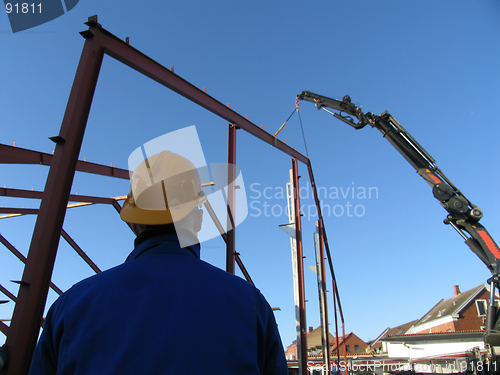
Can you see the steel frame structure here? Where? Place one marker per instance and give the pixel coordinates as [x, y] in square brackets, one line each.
[30, 302]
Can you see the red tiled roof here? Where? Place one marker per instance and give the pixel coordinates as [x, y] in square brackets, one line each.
[435, 333]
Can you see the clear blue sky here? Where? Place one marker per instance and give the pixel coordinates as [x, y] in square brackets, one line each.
[433, 65]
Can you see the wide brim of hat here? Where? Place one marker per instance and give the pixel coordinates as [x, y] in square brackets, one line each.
[135, 215]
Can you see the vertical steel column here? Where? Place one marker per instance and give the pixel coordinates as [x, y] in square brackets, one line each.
[336, 296]
[231, 199]
[28, 312]
[300, 267]
[345, 347]
[334, 284]
[325, 304]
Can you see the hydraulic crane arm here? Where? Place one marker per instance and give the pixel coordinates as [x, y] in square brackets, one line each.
[463, 216]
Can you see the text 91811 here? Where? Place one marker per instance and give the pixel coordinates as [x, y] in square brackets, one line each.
[23, 8]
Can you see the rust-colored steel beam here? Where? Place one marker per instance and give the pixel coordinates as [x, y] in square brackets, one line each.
[8, 293]
[336, 297]
[33, 194]
[4, 328]
[19, 193]
[13, 212]
[231, 200]
[123, 52]
[336, 324]
[35, 282]
[336, 291]
[18, 155]
[217, 223]
[83, 200]
[23, 259]
[243, 268]
[118, 208]
[215, 219]
[80, 252]
[18, 211]
[300, 269]
[325, 238]
[321, 230]
[28, 312]
[345, 348]
[12, 249]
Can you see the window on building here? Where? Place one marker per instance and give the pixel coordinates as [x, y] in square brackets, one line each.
[481, 306]
[356, 348]
[426, 318]
[348, 348]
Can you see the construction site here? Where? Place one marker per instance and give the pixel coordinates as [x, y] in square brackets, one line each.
[70, 216]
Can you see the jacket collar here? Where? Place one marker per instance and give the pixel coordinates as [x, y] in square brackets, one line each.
[165, 243]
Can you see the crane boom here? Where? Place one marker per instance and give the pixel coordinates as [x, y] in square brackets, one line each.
[463, 216]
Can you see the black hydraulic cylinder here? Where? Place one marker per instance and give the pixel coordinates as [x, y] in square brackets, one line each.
[401, 144]
[478, 250]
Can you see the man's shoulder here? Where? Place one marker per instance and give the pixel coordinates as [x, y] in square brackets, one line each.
[132, 270]
[229, 277]
[94, 283]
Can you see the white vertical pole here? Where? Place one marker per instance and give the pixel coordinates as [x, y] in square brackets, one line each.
[291, 220]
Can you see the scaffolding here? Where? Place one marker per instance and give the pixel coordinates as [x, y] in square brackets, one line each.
[30, 301]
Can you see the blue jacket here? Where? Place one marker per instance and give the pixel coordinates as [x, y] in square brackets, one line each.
[164, 311]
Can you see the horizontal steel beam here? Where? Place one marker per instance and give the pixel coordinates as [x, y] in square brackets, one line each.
[126, 54]
[17, 155]
[33, 194]
[83, 200]
[13, 211]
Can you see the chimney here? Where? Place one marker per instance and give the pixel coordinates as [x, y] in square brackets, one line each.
[457, 290]
[310, 329]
